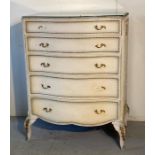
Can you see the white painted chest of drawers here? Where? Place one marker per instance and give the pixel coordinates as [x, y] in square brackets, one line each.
[76, 70]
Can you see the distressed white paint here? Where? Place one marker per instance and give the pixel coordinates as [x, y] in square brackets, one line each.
[74, 88]
[135, 55]
[73, 44]
[72, 27]
[85, 65]
[87, 114]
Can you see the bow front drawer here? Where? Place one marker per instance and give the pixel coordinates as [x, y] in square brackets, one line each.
[74, 113]
[73, 27]
[74, 65]
[73, 45]
[74, 87]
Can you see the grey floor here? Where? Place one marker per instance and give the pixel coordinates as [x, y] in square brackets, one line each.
[50, 139]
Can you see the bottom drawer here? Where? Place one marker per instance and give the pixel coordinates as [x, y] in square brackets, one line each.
[85, 114]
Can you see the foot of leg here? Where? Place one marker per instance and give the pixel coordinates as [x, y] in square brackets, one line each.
[120, 128]
[27, 124]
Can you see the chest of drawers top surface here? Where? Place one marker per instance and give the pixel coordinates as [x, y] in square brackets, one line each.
[77, 14]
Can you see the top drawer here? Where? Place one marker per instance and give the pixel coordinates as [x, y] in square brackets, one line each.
[73, 27]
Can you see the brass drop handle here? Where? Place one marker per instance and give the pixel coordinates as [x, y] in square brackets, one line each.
[45, 87]
[44, 45]
[100, 27]
[100, 66]
[40, 27]
[47, 109]
[99, 111]
[45, 64]
[103, 87]
[100, 45]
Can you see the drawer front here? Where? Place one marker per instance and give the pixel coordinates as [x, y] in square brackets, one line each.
[74, 87]
[74, 65]
[75, 113]
[73, 45]
[73, 27]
